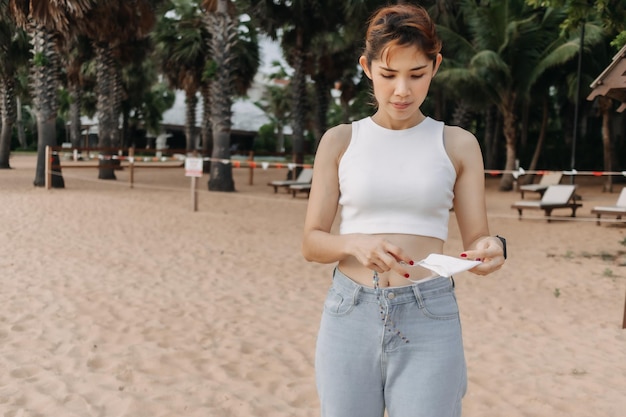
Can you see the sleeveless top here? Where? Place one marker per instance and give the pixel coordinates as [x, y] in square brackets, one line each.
[396, 181]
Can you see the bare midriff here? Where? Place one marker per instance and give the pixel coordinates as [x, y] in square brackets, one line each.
[416, 247]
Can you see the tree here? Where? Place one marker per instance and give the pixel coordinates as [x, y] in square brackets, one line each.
[297, 23]
[612, 14]
[13, 54]
[181, 38]
[110, 26]
[276, 104]
[46, 21]
[507, 60]
[234, 62]
[222, 26]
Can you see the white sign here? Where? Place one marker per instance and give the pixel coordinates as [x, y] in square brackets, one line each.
[193, 167]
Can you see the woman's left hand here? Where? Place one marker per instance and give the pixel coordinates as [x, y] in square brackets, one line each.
[489, 250]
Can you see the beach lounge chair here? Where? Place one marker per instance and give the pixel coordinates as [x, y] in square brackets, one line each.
[300, 188]
[618, 210]
[555, 197]
[305, 177]
[547, 179]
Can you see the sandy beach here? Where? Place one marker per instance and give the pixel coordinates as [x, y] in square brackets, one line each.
[124, 302]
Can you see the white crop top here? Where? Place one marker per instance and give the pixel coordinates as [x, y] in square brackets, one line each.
[396, 181]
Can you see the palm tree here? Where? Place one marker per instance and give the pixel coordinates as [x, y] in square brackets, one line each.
[110, 25]
[45, 22]
[507, 60]
[74, 53]
[223, 29]
[13, 54]
[234, 62]
[297, 23]
[181, 38]
[145, 96]
[276, 104]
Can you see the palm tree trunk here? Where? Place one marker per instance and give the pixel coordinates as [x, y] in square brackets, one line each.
[542, 136]
[492, 130]
[75, 105]
[207, 128]
[322, 95]
[108, 122]
[606, 104]
[223, 33]
[21, 134]
[45, 71]
[299, 102]
[7, 111]
[191, 102]
[506, 183]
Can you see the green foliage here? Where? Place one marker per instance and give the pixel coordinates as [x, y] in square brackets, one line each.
[40, 59]
[265, 142]
[619, 41]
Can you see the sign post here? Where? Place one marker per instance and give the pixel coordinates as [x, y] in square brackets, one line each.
[193, 169]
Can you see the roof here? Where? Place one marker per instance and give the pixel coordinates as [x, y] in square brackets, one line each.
[612, 81]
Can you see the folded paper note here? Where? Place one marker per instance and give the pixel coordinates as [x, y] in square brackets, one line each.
[446, 266]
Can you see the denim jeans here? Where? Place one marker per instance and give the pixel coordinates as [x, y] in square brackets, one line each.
[399, 349]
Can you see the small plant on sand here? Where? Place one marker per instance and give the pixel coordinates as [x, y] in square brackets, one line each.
[608, 272]
[623, 242]
[569, 254]
[557, 293]
[605, 256]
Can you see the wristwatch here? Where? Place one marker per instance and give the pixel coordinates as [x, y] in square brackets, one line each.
[503, 240]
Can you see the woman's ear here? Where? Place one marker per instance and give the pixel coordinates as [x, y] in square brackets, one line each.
[366, 68]
[437, 63]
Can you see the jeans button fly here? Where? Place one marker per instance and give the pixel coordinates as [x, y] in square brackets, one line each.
[391, 296]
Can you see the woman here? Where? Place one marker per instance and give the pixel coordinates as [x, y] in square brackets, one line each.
[390, 336]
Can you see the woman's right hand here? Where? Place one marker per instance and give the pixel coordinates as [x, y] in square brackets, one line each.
[380, 255]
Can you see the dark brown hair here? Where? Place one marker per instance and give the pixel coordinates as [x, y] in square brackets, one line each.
[400, 25]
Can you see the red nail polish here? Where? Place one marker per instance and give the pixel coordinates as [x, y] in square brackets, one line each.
[411, 262]
[464, 255]
[478, 259]
[406, 275]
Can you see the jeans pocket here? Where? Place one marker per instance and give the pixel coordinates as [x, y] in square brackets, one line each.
[336, 304]
[442, 306]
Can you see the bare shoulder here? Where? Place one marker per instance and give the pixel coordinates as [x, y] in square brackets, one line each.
[456, 136]
[336, 140]
[461, 145]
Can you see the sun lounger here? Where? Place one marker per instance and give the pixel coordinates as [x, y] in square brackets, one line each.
[547, 179]
[305, 177]
[618, 210]
[555, 197]
[300, 188]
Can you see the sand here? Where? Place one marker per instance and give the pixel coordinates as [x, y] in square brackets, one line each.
[119, 301]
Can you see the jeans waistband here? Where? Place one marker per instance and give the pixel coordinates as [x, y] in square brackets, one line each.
[392, 295]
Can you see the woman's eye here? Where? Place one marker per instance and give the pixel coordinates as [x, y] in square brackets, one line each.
[386, 75]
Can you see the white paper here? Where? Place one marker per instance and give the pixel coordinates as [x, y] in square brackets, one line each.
[446, 266]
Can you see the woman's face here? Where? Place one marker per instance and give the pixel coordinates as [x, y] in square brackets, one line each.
[401, 81]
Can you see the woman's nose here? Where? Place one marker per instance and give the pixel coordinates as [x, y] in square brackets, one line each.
[402, 88]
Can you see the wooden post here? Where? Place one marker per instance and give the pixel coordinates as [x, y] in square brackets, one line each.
[131, 161]
[251, 172]
[624, 321]
[194, 194]
[48, 165]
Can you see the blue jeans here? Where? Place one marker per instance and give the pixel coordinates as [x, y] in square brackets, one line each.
[399, 349]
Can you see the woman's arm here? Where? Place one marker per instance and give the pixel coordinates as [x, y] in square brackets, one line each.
[469, 201]
[318, 245]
